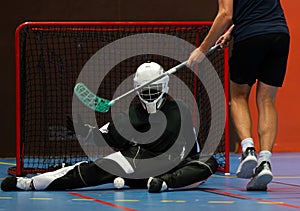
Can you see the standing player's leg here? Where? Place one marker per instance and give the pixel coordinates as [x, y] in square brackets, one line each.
[270, 77]
[240, 113]
[245, 61]
[267, 128]
[267, 115]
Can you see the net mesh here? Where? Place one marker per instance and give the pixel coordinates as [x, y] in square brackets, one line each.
[51, 59]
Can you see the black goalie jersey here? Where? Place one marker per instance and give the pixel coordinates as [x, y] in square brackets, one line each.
[170, 130]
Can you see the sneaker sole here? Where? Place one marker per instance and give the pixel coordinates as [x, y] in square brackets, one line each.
[246, 167]
[261, 181]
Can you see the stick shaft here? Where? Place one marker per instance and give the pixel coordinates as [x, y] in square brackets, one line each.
[169, 72]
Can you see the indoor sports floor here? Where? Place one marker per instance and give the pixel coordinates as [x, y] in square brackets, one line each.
[218, 193]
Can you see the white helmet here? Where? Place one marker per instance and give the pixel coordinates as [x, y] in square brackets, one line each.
[151, 95]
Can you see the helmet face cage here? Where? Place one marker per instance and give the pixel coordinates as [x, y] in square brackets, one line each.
[151, 92]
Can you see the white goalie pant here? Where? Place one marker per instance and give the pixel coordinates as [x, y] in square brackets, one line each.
[42, 181]
[122, 161]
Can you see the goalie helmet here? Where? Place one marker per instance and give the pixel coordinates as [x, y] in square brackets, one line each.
[151, 96]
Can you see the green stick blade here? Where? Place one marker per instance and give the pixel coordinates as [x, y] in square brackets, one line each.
[89, 99]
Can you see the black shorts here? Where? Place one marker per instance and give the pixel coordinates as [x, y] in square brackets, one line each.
[262, 58]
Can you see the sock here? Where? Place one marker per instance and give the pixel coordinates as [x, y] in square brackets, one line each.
[247, 142]
[264, 156]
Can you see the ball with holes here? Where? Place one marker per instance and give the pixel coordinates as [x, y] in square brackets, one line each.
[119, 182]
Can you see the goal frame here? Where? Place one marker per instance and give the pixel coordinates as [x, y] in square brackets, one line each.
[20, 146]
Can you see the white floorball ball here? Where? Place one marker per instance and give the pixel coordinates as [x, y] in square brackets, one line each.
[119, 182]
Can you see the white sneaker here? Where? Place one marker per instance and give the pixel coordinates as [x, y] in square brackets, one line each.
[262, 177]
[248, 163]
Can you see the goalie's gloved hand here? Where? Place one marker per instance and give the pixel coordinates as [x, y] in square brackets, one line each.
[81, 128]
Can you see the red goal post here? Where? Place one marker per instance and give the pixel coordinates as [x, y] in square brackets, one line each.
[49, 57]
